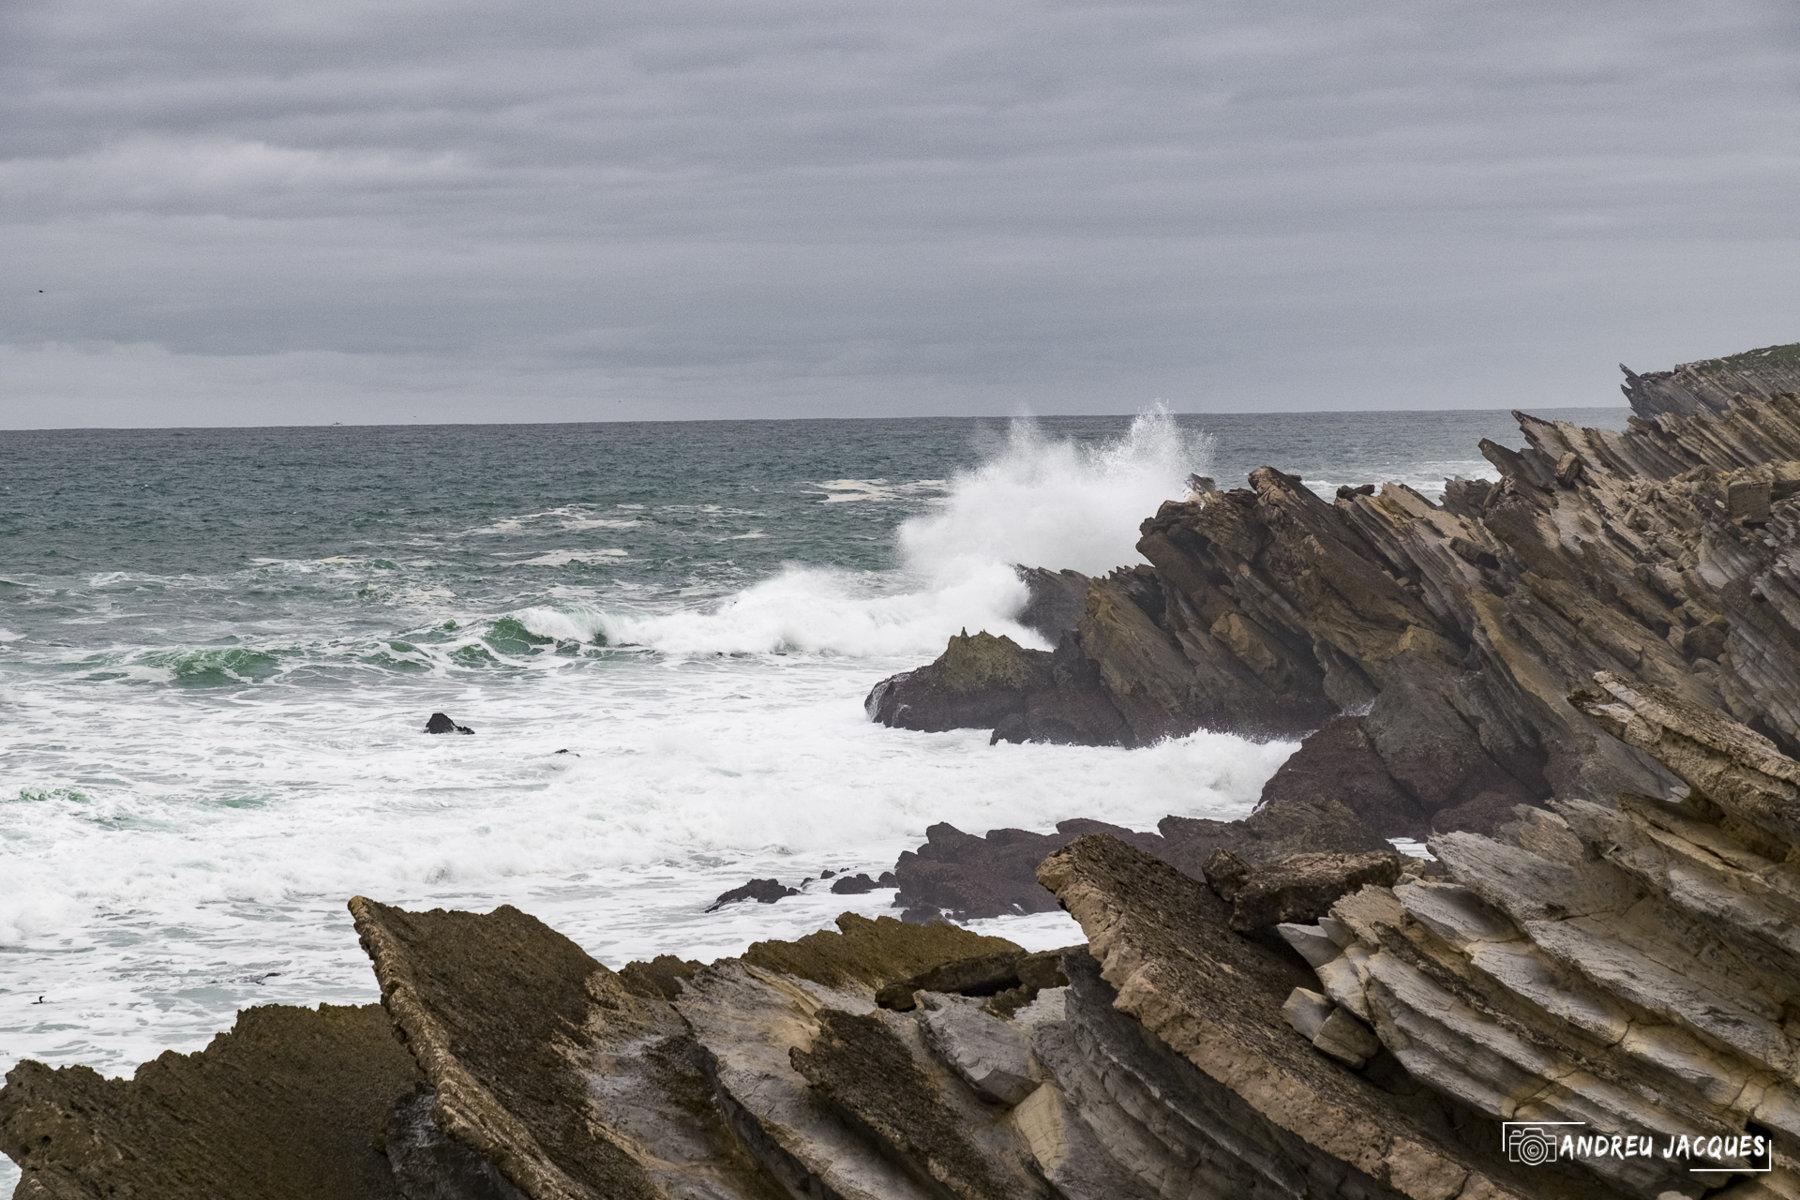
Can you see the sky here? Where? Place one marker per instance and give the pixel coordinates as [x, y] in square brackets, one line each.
[220, 212]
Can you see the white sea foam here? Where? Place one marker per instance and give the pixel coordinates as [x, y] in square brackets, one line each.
[1052, 502]
[562, 558]
[827, 611]
[879, 491]
[1038, 501]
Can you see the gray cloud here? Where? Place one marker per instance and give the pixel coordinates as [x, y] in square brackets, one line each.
[351, 210]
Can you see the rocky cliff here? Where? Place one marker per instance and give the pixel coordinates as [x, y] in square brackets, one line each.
[1715, 383]
[1426, 648]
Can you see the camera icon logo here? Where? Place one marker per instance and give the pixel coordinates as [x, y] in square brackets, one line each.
[1534, 1143]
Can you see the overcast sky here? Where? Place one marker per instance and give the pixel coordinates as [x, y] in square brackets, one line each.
[243, 212]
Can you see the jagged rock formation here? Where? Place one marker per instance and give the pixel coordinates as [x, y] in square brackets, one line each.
[1057, 600]
[1715, 383]
[1632, 966]
[1280, 1119]
[1446, 635]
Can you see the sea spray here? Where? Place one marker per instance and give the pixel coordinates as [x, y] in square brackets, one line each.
[1037, 500]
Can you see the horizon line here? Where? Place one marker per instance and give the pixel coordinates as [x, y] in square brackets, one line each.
[1320, 412]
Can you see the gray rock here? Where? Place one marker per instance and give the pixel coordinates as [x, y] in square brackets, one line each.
[1306, 1012]
[989, 1054]
[1346, 1039]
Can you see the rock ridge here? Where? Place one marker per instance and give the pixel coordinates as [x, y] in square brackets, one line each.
[1425, 651]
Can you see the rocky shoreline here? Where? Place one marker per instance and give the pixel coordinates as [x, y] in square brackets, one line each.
[1579, 682]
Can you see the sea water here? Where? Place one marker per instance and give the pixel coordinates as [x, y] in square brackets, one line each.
[218, 650]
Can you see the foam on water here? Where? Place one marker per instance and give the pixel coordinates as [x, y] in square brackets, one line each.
[1037, 500]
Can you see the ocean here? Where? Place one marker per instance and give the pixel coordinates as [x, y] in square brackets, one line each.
[219, 648]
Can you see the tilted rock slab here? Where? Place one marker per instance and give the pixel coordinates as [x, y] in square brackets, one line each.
[286, 1106]
[1631, 965]
[1164, 945]
[540, 1060]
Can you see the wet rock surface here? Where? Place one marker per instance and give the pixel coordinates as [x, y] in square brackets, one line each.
[763, 891]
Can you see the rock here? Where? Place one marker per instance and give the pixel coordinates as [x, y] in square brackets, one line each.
[978, 680]
[978, 975]
[763, 891]
[1712, 385]
[1306, 1011]
[1310, 942]
[660, 978]
[439, 723]
[749, 1021]
[541, 1062]
[863, 1066]
[1428, 649]
[961, 876]
[990, 1054]
[1215, 999]
[853, 885]
[430, 1166]
[1627, 965]
[1301, 888]
[1226, 874]
[987, 682]
[1057, 600]
[283, 1107]
[1346, 1039]
[1338, 764]
[873, 953]
[965, 877]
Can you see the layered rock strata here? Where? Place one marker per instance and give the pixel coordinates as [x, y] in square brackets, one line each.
[1629, 968]
[1432, 646]
[1715, 383]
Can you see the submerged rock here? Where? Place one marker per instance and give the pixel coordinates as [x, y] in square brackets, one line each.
[441, 723]
[763, 891]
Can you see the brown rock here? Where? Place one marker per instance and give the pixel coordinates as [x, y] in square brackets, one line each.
[284, 1107]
